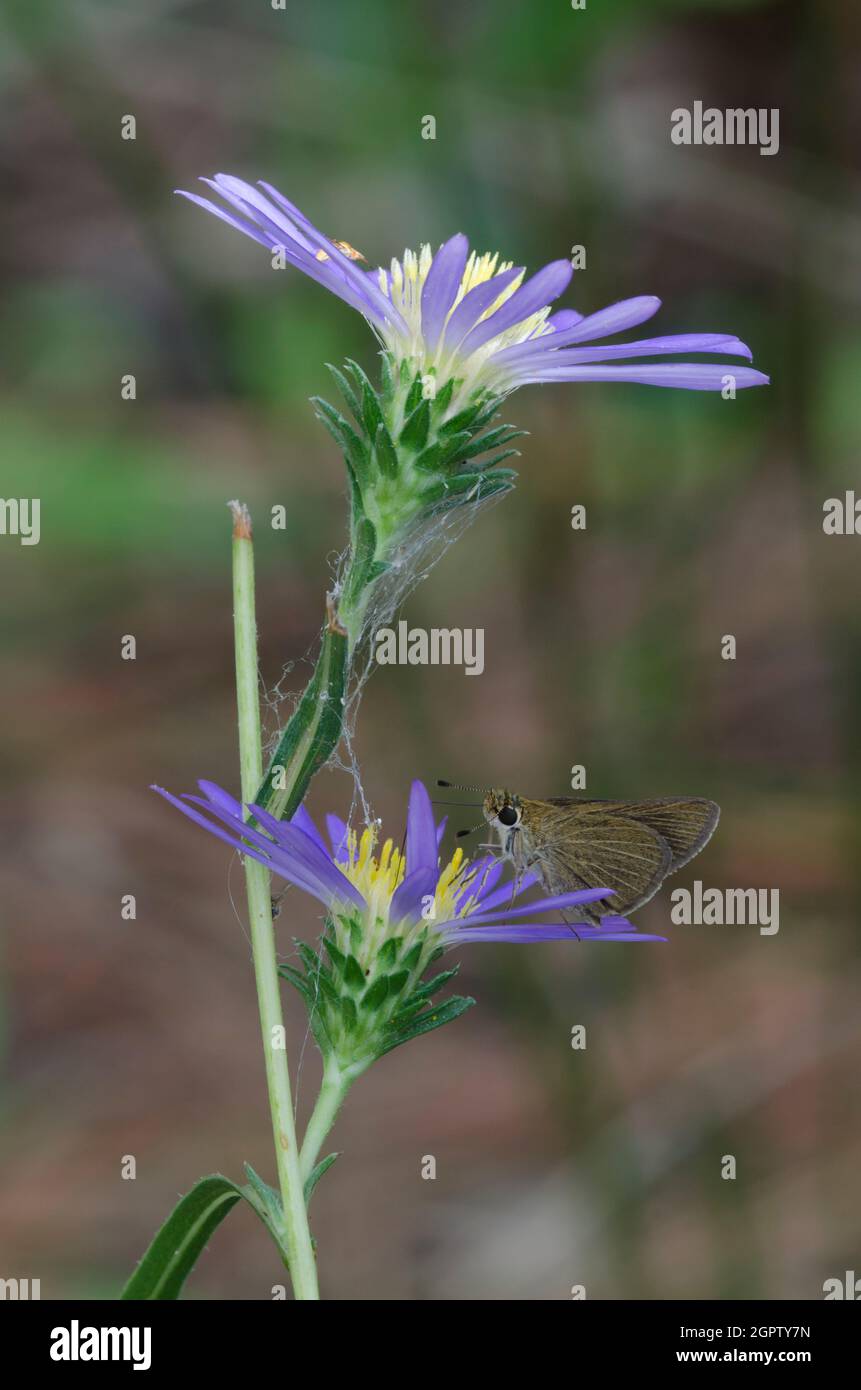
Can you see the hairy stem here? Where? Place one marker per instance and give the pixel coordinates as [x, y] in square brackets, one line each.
[336, 1084]
[297, 1236]
[313, 731]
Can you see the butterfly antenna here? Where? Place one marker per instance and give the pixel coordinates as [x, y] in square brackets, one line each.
[460, 834]
[456, 787]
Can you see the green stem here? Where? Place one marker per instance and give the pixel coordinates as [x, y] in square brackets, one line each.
[336, 1084]
[300, 1252]
[314, 729]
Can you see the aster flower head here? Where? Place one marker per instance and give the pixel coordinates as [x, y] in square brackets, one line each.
[455, 314]
[460, 331]
[390, 913]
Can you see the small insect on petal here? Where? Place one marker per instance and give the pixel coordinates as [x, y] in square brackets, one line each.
[347, 249]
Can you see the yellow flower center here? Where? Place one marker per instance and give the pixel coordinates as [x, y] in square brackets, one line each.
[405, 291]
[378, 876]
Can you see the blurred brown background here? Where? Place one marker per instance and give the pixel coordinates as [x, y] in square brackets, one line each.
[555, 1167]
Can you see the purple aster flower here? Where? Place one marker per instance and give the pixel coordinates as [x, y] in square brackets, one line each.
[457, 315]
[372, 894]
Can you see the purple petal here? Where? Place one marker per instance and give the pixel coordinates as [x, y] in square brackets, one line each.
[628, 313]
[246, 228]
[684, 376]
[338, 832]
[291, 849]
[293, 856]
[441, 286]
[440, 831]
[421, 832]
[267, 222]
[483, 876]
[527, 933]
[219, 797]
[368, 286]
[643, 347]
[564, 318]
[248, 199]
[303, 821]
[477, 302]
[506, 892]
[275, 860]
[406, 904]
[560, 903]
[306, 854]
[539, 291]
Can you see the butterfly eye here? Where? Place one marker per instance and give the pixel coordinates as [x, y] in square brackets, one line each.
[507, 816]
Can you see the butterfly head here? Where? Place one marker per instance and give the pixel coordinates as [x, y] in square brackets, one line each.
[502, 809]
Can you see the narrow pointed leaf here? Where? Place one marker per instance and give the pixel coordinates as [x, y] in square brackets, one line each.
[415, 432]
[427, 1022]
[384, 451]
[415, 394]
[346, 391]
[494, 439]
[177, 1245]
[316, 1174]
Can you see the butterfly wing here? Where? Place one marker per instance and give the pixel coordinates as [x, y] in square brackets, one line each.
[586, 846]
[687, 823]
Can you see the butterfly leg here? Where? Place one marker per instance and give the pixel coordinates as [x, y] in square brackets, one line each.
[543, 873]
[514, 850]
[571, 925]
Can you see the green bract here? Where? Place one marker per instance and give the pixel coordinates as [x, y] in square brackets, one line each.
[359, 1013]
[410, 458]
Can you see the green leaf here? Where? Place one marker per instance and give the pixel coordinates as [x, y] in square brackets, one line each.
[316, 1174]
[337, 957]
[427, 1022]
[354, 976]
[266, 1202]
[453, 447]
[414, 434]
[463, 420]
[506, 454]
[299, 982]
[428, 459]
[415, 394]
[413, 956]
[431, 987]
[386, 375]
[442, 399]
[313, 730]
[322, 1036]
[388, 952]
[330, 990]
[384, 451]
[445, 451]
[175, 1248]
[345, 437]
[371, 414]
[487, 410]
[468, 487]
[420, 997]
[377, 993]
[311, 961]
[362, 559]
[494, 439]
[360, 376]
[346, 391]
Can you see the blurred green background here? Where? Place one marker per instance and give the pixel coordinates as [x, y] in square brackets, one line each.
[554, 1167]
